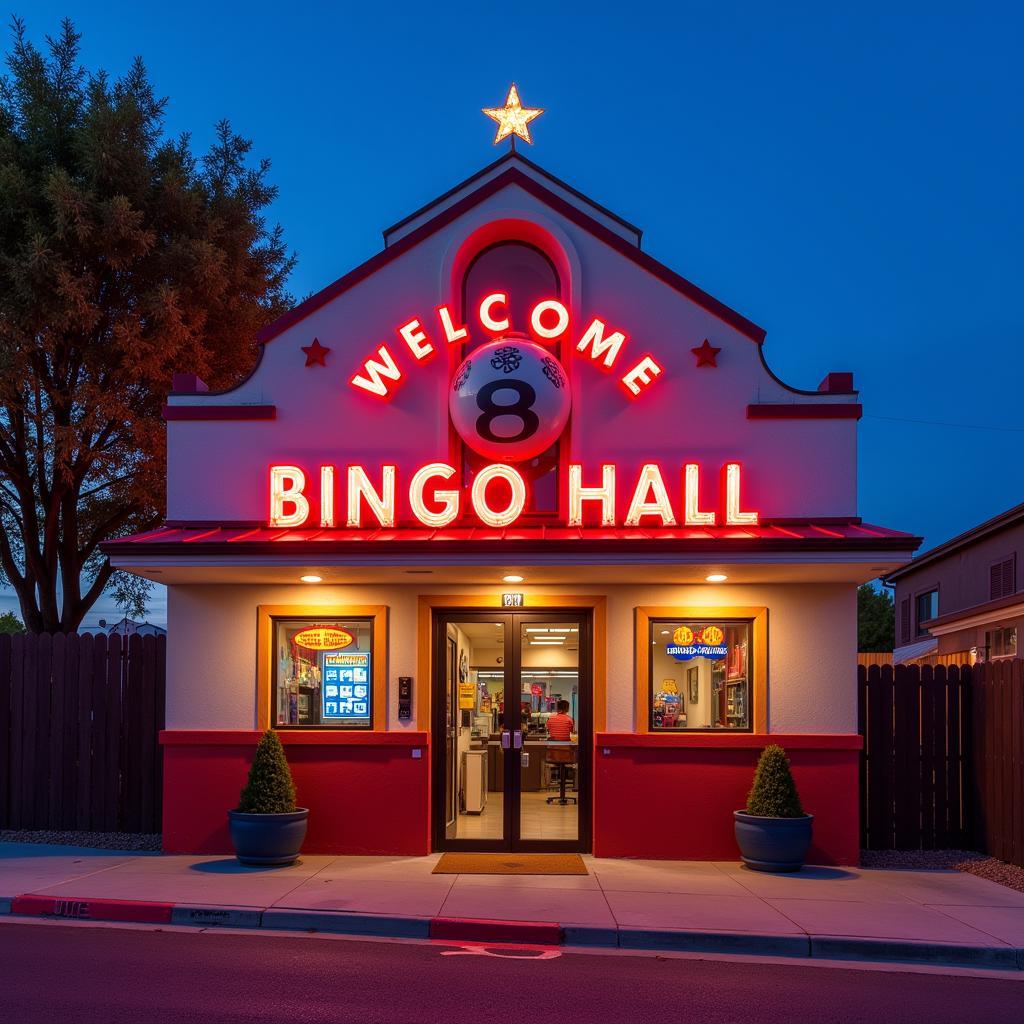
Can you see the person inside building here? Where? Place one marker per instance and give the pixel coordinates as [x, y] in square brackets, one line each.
[560, 725]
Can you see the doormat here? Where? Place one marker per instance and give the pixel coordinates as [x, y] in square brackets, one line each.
[510, 864]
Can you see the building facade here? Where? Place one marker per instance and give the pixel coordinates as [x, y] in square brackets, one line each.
[518, 542]
[959, 601]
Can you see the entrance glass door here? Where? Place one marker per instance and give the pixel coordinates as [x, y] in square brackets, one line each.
[512, 735]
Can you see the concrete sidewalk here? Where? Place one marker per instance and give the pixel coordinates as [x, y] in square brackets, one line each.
[848, 913]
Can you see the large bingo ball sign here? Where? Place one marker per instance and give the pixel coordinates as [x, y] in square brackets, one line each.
[510, 399]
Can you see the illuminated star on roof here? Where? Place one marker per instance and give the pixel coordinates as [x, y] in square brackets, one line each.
[513, 118]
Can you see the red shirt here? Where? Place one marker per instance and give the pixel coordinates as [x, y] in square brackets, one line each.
[560, 726]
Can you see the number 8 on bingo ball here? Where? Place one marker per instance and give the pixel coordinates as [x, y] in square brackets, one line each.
[510, 399]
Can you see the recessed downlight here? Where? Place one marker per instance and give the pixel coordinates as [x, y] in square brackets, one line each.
[716, 577]
[512, 579]
[311, 578]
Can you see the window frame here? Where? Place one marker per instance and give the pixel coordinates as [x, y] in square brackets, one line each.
[918, 632]
[267, 617]
[749, 623]
[756, 616]
[990, 654]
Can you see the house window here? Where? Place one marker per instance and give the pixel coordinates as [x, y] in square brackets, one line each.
[323, 673]
[927, 608]
[1002, 643]
[905, 620]
[1002, 578]
[700, 673]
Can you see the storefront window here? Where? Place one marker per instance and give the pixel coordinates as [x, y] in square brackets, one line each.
[323, 673]
[700, 674]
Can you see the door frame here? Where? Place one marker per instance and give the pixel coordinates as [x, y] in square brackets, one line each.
[440, 617]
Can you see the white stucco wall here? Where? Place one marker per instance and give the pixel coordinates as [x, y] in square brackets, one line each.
[812, 644]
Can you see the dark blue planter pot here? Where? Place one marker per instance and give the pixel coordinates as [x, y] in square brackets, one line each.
[773, 844]
[268, 839]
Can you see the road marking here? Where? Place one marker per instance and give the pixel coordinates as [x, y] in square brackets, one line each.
[529, 954]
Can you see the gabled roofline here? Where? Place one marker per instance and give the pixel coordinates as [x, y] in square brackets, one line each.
[1003, 521]
[508, 158]
[513, 175]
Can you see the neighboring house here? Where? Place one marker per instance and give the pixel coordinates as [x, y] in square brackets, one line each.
[125, 627]
[960, 601]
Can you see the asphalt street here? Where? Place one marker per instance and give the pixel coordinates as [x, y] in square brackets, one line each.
[82, 974]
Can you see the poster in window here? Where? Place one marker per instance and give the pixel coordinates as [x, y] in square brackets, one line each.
[346, 688]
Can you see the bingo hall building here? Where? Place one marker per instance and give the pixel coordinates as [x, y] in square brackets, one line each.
[512, 461]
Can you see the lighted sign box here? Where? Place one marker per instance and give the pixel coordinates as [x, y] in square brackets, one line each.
[346, 682]
[649, 497]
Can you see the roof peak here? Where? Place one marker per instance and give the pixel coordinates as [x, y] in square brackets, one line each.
[630, 232]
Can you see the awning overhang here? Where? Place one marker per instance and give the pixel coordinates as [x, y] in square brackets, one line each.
[806, 552]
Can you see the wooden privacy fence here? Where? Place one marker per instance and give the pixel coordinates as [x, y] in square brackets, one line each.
[943, 759]
[79, 718]
[998, 743]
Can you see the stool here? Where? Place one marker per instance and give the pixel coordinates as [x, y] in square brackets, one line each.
[560, 757]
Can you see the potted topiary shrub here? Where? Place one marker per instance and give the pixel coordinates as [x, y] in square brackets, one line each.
[773, 833]
[267, 828]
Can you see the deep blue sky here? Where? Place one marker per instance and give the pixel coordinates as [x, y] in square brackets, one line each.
[849, 181]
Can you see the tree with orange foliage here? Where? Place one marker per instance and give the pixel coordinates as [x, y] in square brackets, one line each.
[123, 258]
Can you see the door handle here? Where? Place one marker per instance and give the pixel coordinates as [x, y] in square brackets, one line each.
[518, 734]
[504, 739]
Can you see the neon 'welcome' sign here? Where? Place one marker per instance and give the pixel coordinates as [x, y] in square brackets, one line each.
[517, 381]
[428, 500]
[548, 321]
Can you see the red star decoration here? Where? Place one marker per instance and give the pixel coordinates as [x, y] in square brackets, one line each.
[706, 353]
[316, 354]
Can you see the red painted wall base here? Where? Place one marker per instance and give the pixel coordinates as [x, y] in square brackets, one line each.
[655, 796]
[366, 792]
[672, 797]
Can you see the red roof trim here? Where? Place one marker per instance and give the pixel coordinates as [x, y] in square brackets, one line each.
[177, 413]
[512, 176]
[481, 540]
[804, 411]
[511, 157]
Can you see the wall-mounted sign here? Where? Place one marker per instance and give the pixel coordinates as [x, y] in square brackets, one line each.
[536, 689]
[324, 638]
[510, 399]
[669, 686]
[345, 685]
[498, 496]
[381, 374]
[511, 600]
[467, 696]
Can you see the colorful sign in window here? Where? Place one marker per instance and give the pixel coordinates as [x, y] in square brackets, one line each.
[346, 688]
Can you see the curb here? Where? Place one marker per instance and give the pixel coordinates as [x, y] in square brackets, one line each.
[349, 923]
[911, 951]
[537, 933]
[137, 911]
[715, 942]
[540, 933]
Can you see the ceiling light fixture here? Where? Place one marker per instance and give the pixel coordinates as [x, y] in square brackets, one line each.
[716, 577]
[311, 579]
[512, 578]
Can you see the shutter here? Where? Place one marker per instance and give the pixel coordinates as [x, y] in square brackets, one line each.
[1002, 578]
[905, 619]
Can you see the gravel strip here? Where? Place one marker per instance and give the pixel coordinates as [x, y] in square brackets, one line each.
[947, 860]
[132, 842]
